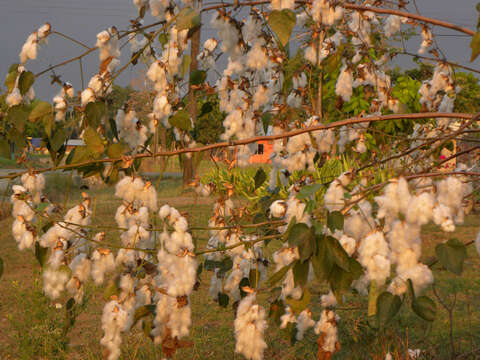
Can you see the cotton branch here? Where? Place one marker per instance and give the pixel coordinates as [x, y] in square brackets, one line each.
[361, 8]
[336, 124]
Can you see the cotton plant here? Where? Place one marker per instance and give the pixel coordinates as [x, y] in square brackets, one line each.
[153, 263]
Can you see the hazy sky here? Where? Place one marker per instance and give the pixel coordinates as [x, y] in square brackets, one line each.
[84, 19]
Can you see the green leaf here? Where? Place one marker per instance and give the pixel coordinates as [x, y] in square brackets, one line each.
[115, 151]
[424, 307]
[40, 110]
[17, 117]
[11, 77]
[278, 276]
[282, 23]
[244, 282]
[1, 267]
[223, 299]
[322, 263]
[308, 191]
[206, 109]
[299, 305]
[259, 178]
[299, 234]
[300, 273]
[80, 154]
[186, 61]
[40, 254]
[335, 220]
[388, 306]
[163, 38]
[92, 141]
[198, 77]
[451, 255]
[94, 112]
[25, 81]
[5, 149]
[277, 309]
[111, 290]
[338, 253]
[187, 18]
[181, 120]
[141, 312]
[475, 46]
[57, 139]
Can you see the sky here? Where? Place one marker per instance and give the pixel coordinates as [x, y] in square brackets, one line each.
[84, 19]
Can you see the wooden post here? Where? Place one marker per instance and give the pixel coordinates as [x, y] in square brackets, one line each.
[188, 170]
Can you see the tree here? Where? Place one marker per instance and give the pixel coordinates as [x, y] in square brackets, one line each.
[352, 221]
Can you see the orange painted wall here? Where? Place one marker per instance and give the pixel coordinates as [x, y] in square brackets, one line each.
[265, 157]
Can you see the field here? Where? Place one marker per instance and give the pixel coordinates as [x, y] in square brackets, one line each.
[31, 325]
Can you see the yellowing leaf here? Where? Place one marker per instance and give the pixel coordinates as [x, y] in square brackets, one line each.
[282, 23]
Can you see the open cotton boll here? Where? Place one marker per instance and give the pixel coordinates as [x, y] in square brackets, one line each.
[30, 48]
[87, 96]
[420, 209]
[374, 255]
[103, 262]
[450, 192]
[328, 300]
[164, 212]
[158, 8]
[442, 216]
[288, 317]
[348, 244]
[304, 322]
[14, 98]
[81, 267]
[392, 25]
[114, 319]
[344, 84]
[334, 196]
[278, 208]
[327, 326]
[250, 324]
[54, 282]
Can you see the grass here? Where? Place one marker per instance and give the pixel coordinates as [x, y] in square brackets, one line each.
[31, 325]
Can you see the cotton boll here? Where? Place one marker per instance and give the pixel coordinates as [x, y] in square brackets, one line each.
[250, 324]
[374, 255]
[348, 244]
[420, 209]
[14, 98]
[54, 283]
[442, 216]
[344, 84]
[392, 25]
[334, 196]
[278, 208]
[164, 212]
[81, 267]
[210, 44]
[304, 322]
[103, 263]
[328, 300]
[87, 96]
[327, 326]
[450, 192]
[158, 8]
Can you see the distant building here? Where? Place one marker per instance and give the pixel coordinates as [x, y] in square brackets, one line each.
[73, 143]
[262, 155]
